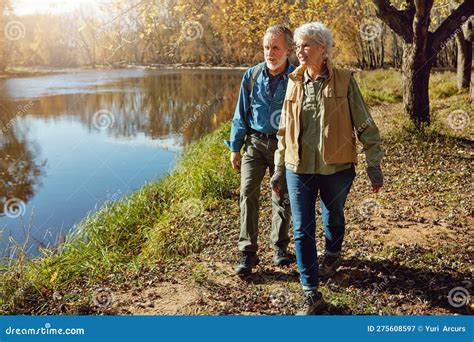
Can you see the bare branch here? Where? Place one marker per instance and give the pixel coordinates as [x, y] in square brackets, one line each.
[452, 23]
[121, 14]
[400, 21]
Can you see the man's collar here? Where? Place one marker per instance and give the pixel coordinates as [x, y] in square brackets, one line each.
[289, 69]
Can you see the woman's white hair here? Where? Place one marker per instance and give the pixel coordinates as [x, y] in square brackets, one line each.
[318, 33]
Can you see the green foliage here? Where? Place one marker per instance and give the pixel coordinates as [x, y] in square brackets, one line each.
[443, 85]
[199, 274]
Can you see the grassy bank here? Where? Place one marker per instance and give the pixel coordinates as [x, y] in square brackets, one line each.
[183, 228]
[160, 222]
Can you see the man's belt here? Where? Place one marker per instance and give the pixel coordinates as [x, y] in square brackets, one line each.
[262, 135]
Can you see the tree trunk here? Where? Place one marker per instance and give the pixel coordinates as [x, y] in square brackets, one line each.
[464, 61]
[416, 69]
[471, 94]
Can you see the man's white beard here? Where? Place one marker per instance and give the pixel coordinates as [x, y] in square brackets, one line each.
[276, 66]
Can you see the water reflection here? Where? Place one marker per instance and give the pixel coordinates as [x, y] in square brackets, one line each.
[70, 142]
[20, 170]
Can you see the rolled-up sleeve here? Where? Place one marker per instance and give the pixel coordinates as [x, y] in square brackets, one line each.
[280, 151]
[364, 124]
[239, 129]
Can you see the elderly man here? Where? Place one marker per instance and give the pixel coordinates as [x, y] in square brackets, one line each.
[254, 126]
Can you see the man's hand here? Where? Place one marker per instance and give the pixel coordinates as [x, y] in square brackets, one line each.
[276, 182]
[235, 160]
[376, 177]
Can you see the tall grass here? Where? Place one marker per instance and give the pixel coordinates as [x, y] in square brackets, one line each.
[385, 86]
[380, 86]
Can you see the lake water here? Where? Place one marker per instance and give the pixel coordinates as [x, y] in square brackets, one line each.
[70, 142]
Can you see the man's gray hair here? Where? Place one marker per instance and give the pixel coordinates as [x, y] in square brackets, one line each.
[318, 33]
[280, 29]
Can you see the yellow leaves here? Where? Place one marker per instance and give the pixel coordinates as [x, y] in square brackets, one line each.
[54, 277]
[179, 8]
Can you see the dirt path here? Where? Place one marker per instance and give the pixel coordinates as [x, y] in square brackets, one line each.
[406, 249]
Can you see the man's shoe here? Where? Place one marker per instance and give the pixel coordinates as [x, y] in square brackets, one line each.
[248, 260]
[329, 266]
[282, 258]
[313, 304]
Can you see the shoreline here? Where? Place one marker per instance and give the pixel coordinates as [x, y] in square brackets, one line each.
[20, 71]
[17, 72]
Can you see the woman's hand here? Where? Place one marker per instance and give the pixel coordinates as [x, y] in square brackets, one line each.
[276, 182]
[376, 177]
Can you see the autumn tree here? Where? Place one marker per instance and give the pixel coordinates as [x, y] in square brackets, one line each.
[421, 46]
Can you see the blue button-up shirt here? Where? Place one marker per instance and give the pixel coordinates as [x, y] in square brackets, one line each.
[266, 107]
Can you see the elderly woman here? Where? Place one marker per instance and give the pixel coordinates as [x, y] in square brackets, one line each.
[323, 115]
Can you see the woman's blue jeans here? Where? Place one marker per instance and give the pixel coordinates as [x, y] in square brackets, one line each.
[303, 190]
